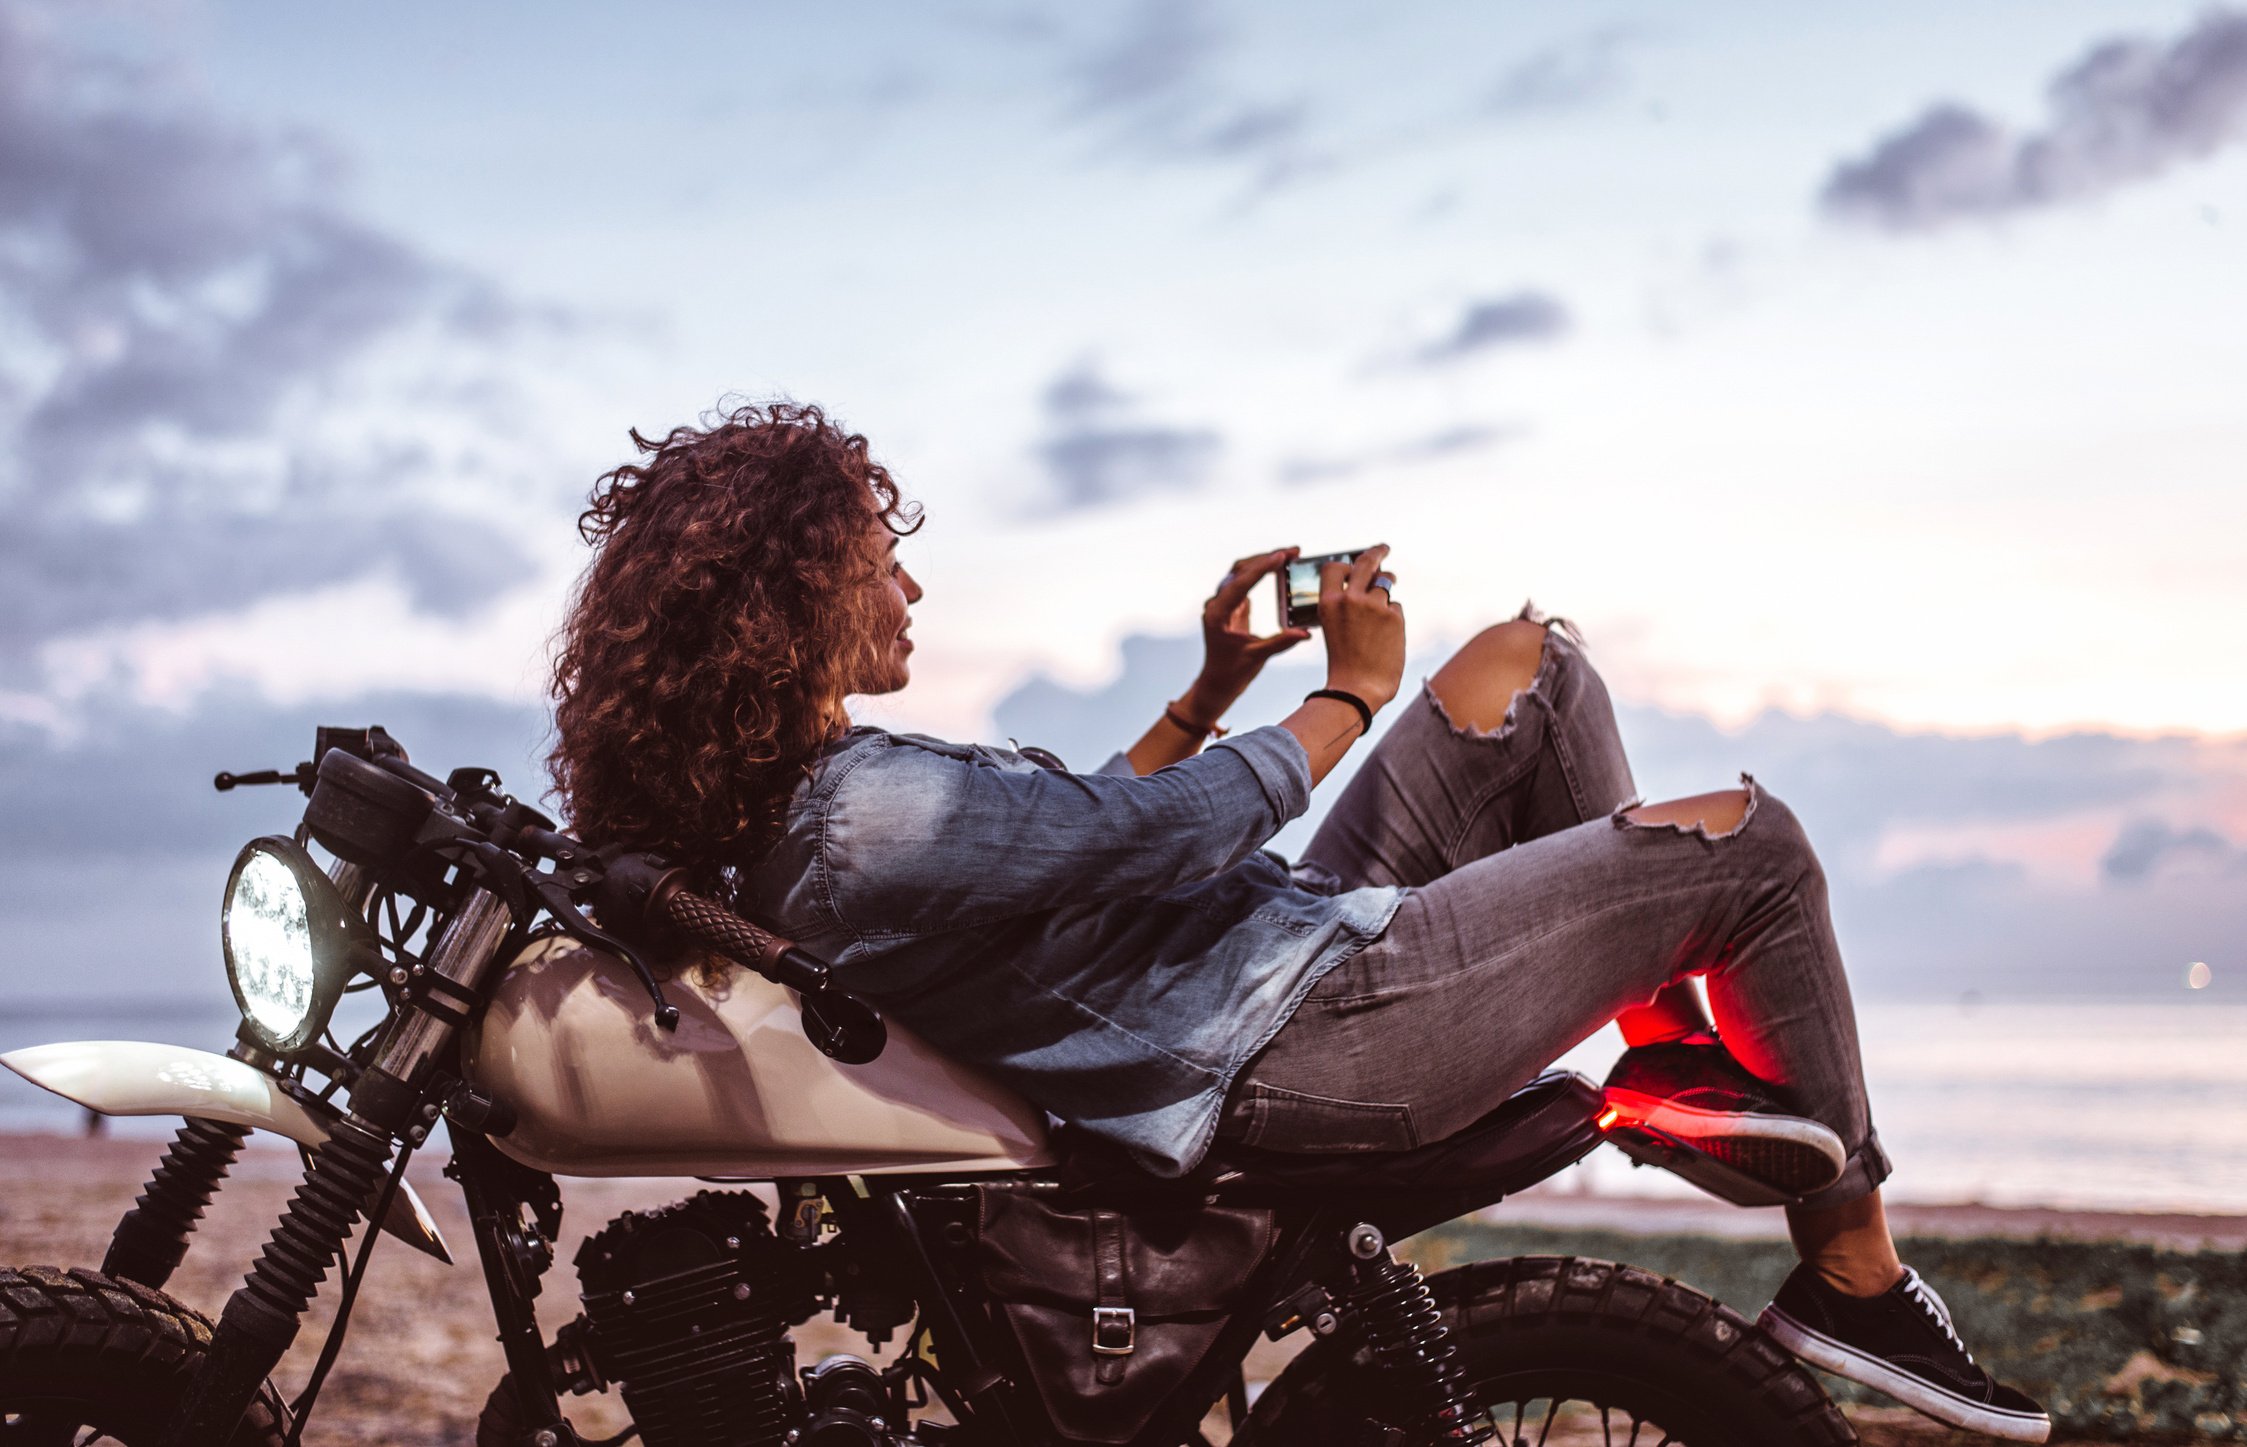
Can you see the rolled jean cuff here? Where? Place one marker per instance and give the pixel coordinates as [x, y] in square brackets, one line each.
[1861, 1175]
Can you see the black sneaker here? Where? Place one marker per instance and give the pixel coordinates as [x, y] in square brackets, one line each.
[1900, 1342]
[1687, 1106]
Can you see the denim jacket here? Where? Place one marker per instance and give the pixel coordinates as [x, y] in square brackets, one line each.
[1114, 947]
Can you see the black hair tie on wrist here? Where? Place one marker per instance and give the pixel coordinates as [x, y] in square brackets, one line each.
[1365, 714]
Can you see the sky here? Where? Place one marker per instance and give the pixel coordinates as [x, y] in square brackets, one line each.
[1862, 380]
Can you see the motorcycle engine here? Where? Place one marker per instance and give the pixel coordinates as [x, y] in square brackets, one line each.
[687, 1308]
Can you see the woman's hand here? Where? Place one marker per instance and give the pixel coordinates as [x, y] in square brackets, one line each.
[1364, 628]
[1232, 656]
[1364, 657]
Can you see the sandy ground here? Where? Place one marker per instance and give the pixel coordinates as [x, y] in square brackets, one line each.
[420, 1355]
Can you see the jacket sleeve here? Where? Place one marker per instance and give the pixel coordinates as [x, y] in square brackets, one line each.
[916, 840]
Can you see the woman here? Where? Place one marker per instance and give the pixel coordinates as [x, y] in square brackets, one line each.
[1117, 946]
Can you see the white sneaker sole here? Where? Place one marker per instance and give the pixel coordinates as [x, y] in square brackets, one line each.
[1789, 1152]
[1940, 1403]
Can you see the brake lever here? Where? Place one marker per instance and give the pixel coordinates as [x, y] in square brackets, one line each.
[555, 895]
[301, 776]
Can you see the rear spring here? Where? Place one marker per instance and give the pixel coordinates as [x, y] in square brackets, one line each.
[1398, 1315]
[151, 1240]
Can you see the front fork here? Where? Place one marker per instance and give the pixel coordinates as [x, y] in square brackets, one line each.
[261, 1319]
[151, 1240]
[346, 1170]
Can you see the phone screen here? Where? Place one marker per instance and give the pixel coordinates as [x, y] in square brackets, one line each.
[1303, 585]
[1301, 588]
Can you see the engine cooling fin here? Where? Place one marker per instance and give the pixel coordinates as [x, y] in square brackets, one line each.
[687, 1308]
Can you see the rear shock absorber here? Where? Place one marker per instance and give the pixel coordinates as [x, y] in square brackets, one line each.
[1398, 1315]
[261, 1319]
[151, 1240]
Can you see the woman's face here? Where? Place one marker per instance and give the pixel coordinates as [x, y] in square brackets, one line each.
[890, 666]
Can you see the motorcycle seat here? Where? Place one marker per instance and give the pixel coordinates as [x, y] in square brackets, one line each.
[1547, 1125]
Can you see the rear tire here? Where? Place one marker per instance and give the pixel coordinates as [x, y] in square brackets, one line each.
[1538, 1331]
[80, 1350]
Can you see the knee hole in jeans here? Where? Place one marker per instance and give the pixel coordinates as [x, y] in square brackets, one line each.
[1731, 809]
[1478, 688]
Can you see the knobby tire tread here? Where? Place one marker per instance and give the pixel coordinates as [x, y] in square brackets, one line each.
[60, 1326]
[1616, 1296]
[1520, 1298]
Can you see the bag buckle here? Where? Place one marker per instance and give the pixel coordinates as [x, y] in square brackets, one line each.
[1112, 1330]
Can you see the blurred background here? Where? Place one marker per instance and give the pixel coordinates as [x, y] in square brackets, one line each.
[1864, 382]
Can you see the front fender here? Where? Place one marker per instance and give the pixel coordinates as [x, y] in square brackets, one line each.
[133, 1077]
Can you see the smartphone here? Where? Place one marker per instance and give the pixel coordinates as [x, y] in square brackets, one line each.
[1299, 588]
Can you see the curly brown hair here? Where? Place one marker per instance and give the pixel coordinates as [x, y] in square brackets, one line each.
[706, 654]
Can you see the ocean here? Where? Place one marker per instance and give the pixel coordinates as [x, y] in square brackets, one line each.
[2094, 1105]
[2086, 1104]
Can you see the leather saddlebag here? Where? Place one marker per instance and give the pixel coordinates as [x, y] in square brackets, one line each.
[1113, 1310]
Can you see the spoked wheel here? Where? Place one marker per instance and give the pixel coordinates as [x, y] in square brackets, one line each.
[1532, 1410]
[86, 1358]
[1567, 1352]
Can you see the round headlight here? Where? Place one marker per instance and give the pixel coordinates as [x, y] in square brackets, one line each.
[287, 946]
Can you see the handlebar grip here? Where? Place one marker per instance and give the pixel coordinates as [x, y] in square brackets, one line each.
[839, 1023]
[715, 925]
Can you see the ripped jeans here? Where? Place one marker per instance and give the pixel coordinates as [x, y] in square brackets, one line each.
[1537, 913]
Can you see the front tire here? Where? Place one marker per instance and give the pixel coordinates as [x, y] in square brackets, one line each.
[84, 1354]
[1562, 1348]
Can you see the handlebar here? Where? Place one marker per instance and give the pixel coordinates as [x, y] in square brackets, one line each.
[370, 806]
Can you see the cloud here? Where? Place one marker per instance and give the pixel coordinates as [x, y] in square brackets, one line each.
[1098, 451]
[1864, 778]
[114, 847]
[1432, 447]
[134, 782]
[2143, 846]
[1154, 82]
[1451, 441]
[1561, 77]
[187, 310]
[64, 574]
[1158, 51]
[1525, 316]
[1081, 392]
[2129, 110]
[1977, 915]
[1158, 81]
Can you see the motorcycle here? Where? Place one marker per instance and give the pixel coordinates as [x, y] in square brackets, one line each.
[569, 1011]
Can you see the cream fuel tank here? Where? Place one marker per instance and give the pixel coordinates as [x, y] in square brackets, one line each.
[570, 1043]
